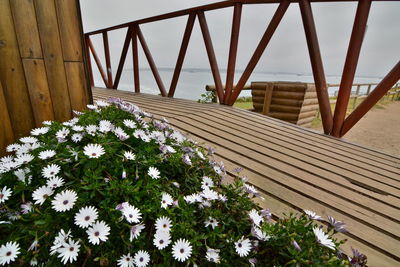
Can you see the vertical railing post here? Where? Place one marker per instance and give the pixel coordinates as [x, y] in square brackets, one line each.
[135, 55]
[123, 57]
[356, 96]
[89, 61]
[276, 19]
[350, 65]
[230, 73]
[182, 53]
[317, 65]
[211, 56]
[380, 90]
[108, 61]
[150, 59]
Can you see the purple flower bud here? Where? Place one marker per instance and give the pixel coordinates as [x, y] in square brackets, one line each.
[296, 245]
[238, 170]
[186, 159]
[253, 262]
[211, 151]
[123, 174]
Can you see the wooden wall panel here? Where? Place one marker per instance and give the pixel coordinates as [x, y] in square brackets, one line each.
[6, 132]
[70, 31]
[53, 57]
[12, 75]
[39, 92]
[77, 85]
[26, 28]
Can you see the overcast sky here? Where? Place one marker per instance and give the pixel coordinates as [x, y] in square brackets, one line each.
[287, 51]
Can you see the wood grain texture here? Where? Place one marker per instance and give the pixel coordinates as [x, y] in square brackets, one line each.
[39, 91]
[70, 32]
[77, 85]
[26, 28]
[53, 57]
[12, 75]
[6, 132]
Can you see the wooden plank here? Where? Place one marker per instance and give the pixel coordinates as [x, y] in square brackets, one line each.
[77, 85]
[319, 201]
[53, 57]
[39, 92]
[70, 31]
[26, 28]
[12, 75]
[6, 132]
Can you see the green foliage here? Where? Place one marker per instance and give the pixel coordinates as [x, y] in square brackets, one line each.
[207, 97]
[111, 180]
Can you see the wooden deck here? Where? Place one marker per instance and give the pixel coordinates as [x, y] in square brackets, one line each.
[296, 168]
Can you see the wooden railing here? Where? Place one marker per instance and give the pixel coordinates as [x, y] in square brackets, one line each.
[336, 125]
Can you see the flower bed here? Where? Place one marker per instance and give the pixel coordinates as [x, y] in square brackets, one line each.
[115, 186]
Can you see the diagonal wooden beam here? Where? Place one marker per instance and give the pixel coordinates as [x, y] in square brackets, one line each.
[135, 55]
[123, 57]
[211, 56]
[89, 61]
[350, 66]
[182, 53]
[380, 90]
[230, 73]
[108, 61]
[149, 57]
[97, 60]
[317, 65]
[276, 19]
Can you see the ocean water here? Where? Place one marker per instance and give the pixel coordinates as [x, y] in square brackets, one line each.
[192, 82]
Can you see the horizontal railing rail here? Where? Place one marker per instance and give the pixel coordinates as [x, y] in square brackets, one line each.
[335, 124]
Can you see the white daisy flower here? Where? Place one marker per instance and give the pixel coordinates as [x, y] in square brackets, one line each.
[102, 103]
[28, 140]
[34, 246]
[130, 124]
[86, 216]
[121, 134]
[24, 158]
[129, 155]
[5, 194]
[62, 133]
[142, 258]
[259, 234]
[162, 239]
[69, 251]
[251, 189]
[26, 207]
[193, 198]
[47, 154]
[99, 231]
[12, 147]
[47, 123]
[211, 222]
[256, 217]
[132, 214]
[153, 173]
[34, 262]
[91, 107]
[323, 238]
[59, 241]
[166, 200]
[105, 126]
[77, 137]
[126, 261]
[243, 247]
[209, 194]
[93, 151]
[135, 231]
[163, 224]
[55, 182]
[213, 255]
[9, 252]
[39, 131]
[181, 250]
[312, 215]
[91, 129]
[64, 201]
[78, 128]
[51, 171]
[6, 159]
[207, 182]
[41, 194]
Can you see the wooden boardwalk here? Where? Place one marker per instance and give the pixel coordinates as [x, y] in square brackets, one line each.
[296, 168]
